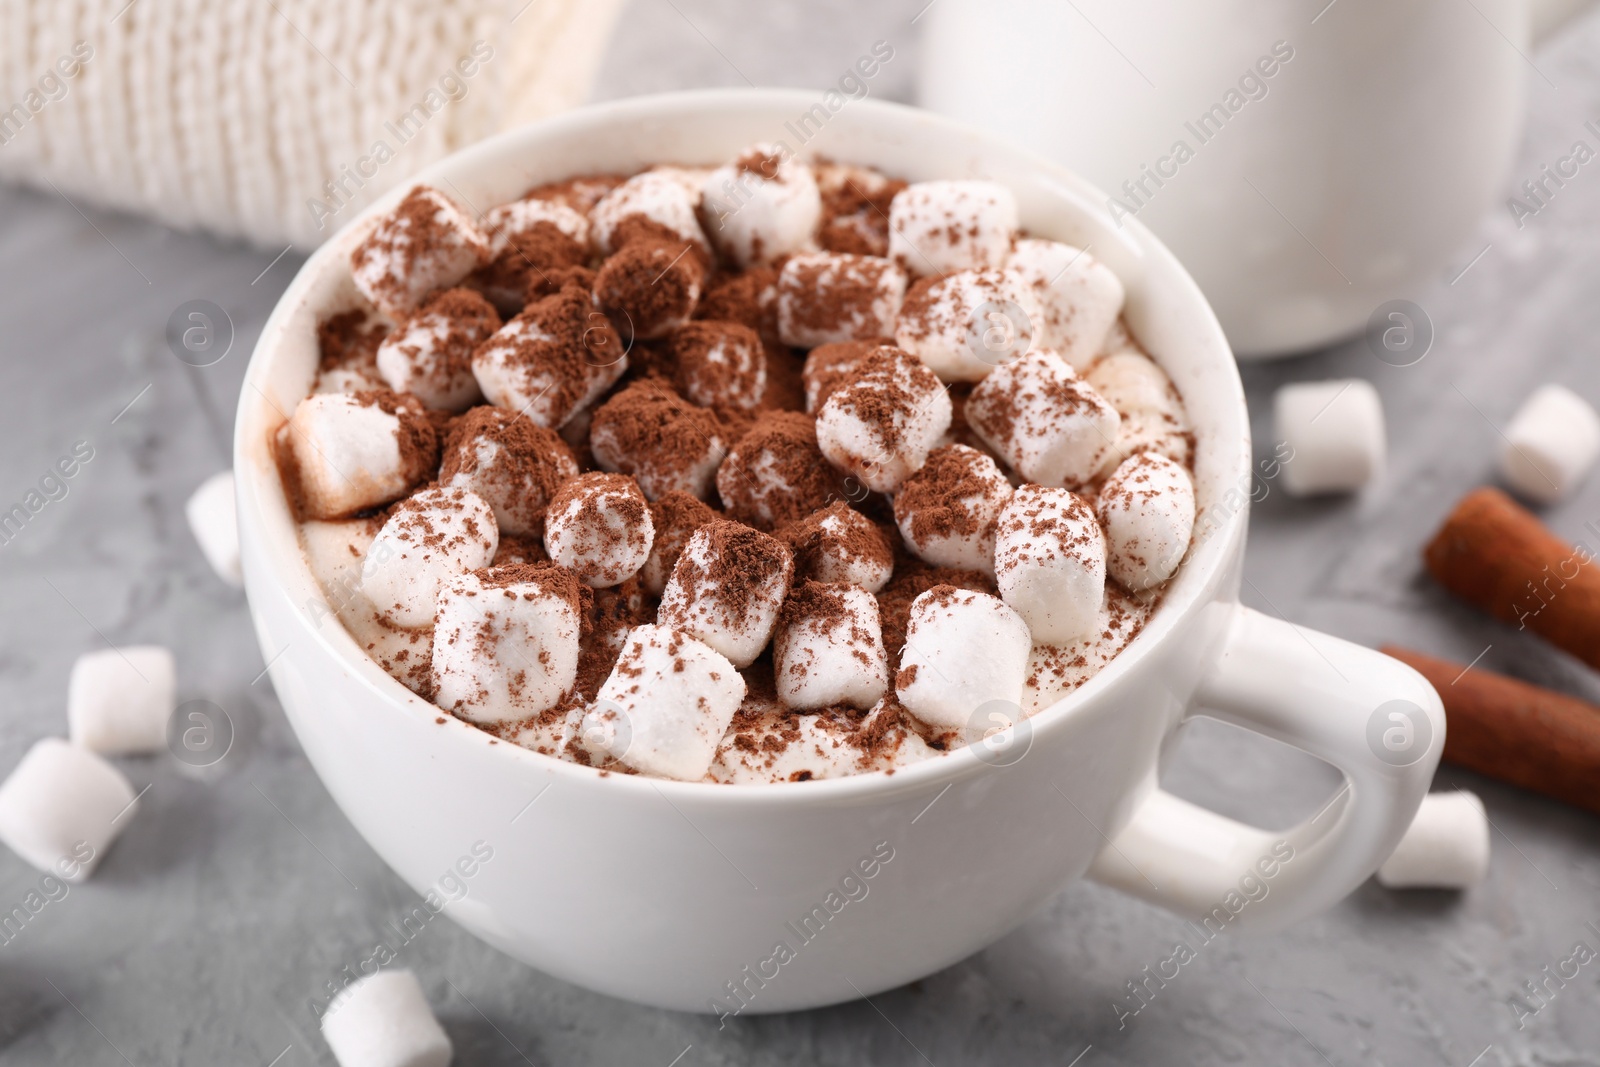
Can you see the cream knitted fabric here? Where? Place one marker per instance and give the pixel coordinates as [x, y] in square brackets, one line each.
[274, 120]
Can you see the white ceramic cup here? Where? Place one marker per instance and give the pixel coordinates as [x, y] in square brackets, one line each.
[680, 894]
[1345, 179]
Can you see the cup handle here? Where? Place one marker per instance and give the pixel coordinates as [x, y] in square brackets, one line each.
[1371, 716]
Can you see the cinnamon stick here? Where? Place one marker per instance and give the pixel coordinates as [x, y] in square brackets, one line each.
[1496, 555]
[1515, 732]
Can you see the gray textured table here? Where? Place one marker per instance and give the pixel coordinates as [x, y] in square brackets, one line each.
[220, 911]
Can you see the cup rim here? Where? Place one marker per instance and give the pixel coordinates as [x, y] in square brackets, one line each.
[263, 507]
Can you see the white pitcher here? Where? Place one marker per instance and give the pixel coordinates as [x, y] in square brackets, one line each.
[1307, 161]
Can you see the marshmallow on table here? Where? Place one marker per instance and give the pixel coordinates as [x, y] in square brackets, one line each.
[512, 462]
[966, 324]
[727, 588]
[826, 298]
[650, 288]
[351, 452]
[383, 1020]
[1446, 846]
[655, 206]
[828, 648]
[428, 242]
[942, 226]
[213, 517]
[1334, 431]
[1146, 509]
[666, 704]
[119, 700]
[1044, 420]
[1079, 297]
[719, 363]
[777, 472]
[429, 538]
[505, 642]
[947, 510]
[963, 651]
[1050, 563]
[676, 516]
[650, 432]
[829, 366]
[1550, 445]
[527, 237]
[599, 525]
[839, 544]
[762, 206]
[883, 421]
[429, 352]
[553, 359]
[62, 806]
[1152, 412]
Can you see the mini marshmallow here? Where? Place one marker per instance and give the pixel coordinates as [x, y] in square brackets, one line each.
[213, 515]
[653, 206]
[351, 452]
[427, 242]
[947, 510]
[428, 539]
[62, 807]
[855, 208]
[1334, 431]
[1550, 445]
[527, 238]
[383, 1020]
[825, 298]
[1079, 298]
[882, 423]
[555, 358]
[966, 324]
[505, 223]
[1043, 420]
[1152, 412]
[762, 206]
[667, 444]
[829, 366]
[839, 544]
[727, 588]
[599, 526]
[1131, 382]
[515, 464]
[1050, 563]
[1146, 509]
[429, 354]
[667, 703]
[649, 288]
[719, 363]
[676, 515]
[830, 743]
[1446, 846]
[119, 700]
[777, 472]
[505, 642]
[942, 226]
[828, 648]
[963, 650]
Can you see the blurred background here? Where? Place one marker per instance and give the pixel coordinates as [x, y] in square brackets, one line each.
[1400, 152]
